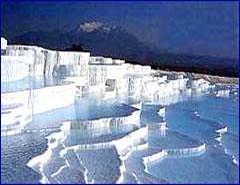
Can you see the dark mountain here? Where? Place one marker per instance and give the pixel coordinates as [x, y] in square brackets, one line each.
[199, 64]
[75, 47]
[96, 37]
[113, 41]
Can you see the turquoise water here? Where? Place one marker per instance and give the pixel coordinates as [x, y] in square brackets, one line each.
[215, 165]
[31, 83]
[85, 152]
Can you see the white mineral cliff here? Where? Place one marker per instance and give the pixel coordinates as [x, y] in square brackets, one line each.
[81, 75]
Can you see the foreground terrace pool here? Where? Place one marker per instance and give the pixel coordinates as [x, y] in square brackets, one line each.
[108, 142]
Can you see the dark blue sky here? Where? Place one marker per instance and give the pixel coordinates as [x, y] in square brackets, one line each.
[206, 28]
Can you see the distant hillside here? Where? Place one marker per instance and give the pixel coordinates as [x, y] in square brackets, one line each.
[113, 41]
[198, 64]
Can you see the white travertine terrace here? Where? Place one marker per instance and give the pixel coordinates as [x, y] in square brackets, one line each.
[3, 43]
[103, 77]
[199, 84]
[198, 150]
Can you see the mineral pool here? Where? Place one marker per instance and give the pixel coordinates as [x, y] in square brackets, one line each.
[98, 141]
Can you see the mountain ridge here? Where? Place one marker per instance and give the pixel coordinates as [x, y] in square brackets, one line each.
[114, 41]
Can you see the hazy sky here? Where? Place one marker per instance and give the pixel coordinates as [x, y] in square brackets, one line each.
[206, 28]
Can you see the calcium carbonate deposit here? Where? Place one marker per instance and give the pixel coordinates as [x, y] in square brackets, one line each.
[69, 117]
